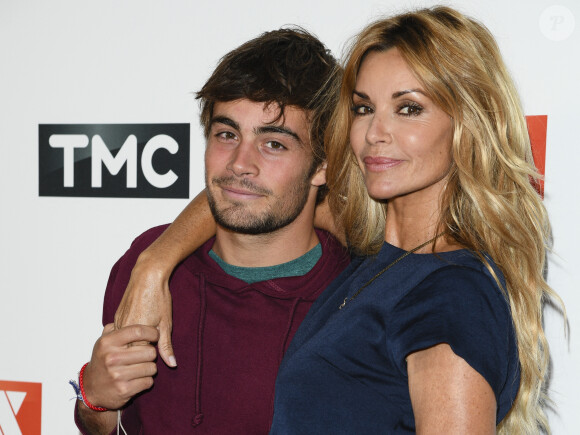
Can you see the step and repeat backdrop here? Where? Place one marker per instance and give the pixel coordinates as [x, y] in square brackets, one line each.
[100, 140]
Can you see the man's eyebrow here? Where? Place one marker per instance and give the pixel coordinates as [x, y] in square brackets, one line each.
[226, 121]
[278, 129]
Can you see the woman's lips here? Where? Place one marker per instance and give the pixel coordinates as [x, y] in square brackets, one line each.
[378, 164]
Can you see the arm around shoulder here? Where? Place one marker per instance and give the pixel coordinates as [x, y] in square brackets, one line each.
[147, 299]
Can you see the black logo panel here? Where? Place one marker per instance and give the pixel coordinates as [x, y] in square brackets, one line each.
[114, 160]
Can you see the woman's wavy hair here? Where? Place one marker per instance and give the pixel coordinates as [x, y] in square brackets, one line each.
[489, 204]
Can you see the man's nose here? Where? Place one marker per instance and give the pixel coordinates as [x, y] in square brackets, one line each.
[243, 161]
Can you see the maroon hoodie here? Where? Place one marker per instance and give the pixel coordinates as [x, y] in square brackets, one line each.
[229, 338]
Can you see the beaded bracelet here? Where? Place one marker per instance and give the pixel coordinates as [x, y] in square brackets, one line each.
[80, 390]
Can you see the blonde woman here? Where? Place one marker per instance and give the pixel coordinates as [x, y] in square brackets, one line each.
[439, 164]
[437, 326]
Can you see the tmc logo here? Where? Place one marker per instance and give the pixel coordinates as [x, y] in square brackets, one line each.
[20, 408]
[114, 160]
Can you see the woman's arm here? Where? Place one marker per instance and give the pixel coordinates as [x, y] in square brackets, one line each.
[324, 220]
[448, 395]
[147, 299]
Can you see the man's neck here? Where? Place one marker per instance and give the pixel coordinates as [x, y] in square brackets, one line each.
[269, 249]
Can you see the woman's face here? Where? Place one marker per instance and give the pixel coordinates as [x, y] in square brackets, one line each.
[400, 137]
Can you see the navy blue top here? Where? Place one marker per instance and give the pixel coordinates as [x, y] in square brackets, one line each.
[345, 370]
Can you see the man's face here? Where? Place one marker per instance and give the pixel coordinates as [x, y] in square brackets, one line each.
[259, 175]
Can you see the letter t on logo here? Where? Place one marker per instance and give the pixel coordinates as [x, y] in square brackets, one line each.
[68, 143]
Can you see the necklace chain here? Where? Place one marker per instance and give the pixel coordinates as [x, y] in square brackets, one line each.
[370, 281]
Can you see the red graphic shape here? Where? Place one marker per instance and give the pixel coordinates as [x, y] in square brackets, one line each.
[30, 411]
[537, 128]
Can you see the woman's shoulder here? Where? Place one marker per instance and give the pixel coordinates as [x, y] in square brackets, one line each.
[461, 274]
[461, 302]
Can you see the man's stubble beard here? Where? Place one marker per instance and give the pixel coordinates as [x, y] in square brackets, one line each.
[240, 218]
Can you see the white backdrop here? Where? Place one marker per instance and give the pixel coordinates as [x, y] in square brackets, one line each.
[136, 61]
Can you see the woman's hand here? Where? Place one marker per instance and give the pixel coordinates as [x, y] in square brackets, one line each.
[147, 301]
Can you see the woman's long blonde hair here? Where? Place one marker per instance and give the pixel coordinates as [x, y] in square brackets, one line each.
[489, 205]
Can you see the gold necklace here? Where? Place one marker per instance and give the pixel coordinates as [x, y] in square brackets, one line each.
[341, 306]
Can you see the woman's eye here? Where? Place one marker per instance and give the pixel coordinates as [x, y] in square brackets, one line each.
[361, 109]
[408, 109]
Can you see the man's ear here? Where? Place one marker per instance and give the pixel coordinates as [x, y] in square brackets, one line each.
[319, 177]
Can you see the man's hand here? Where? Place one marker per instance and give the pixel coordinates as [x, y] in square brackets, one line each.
[117, 371]
[147, 301]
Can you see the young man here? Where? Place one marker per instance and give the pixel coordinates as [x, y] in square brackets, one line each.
[238, 300]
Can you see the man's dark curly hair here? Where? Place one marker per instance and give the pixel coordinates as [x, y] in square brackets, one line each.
[288, 67]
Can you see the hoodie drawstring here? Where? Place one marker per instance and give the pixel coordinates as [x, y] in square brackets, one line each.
[198, 418]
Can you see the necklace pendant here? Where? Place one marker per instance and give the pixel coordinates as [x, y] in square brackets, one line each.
[341, 306]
